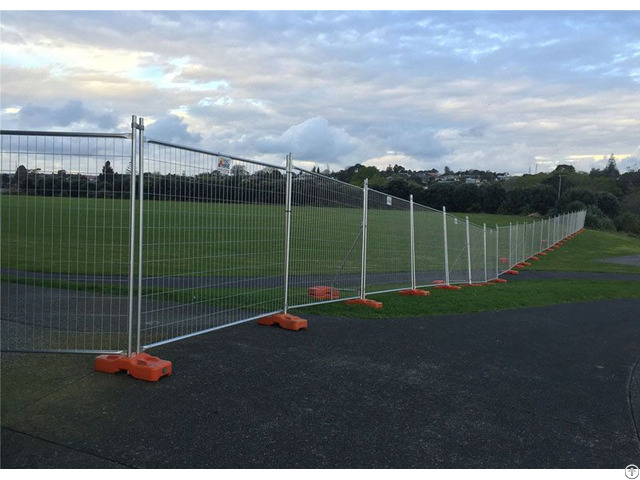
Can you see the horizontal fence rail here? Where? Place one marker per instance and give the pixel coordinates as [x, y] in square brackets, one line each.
[118, 243]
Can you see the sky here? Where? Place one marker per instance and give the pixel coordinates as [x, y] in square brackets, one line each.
[507, 91]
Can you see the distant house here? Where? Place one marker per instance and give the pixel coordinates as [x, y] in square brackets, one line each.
[448, 178]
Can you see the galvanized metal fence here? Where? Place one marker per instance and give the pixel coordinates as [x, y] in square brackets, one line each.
[115, 243]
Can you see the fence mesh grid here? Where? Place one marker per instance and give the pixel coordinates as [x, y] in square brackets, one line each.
[65, 242]
[429, 245]
[213, 241]
[389, 243]
[211, 238]
[326, 239]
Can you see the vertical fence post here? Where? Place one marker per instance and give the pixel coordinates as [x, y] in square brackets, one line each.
[413, 243]
[140, 225]
[287, 227]
[515, 245]
[365, 206]
[541, 235]
[468, 250]
[484, 241]
[446, 246]
[510, 248]
[497, 251]
[132, 237]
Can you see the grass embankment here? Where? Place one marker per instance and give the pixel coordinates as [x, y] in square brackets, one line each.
[582, 254]
[578, 254]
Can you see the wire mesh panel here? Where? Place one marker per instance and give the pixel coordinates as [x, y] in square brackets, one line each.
[476, 249]
[457, 250]
[504, 249]
[213, 242]
[429, 245]
[492, 253]
[65, 237]
[389, 243]
[326, 239]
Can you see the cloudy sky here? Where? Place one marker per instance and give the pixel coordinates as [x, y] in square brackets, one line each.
[505, 91]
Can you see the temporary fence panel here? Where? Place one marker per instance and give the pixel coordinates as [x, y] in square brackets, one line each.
[504, 248]
[429, 245]
[326, 239]
[491, 237]
[457, 250]
[212, 242]
[388, 259]
[65, 237]
[477, 253]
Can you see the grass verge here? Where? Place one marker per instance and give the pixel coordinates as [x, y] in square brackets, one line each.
[582, 253]
[532, 293]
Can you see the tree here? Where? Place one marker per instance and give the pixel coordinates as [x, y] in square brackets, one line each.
[611, 170]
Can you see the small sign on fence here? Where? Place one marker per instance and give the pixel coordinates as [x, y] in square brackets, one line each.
[388, 200]
[224, 164]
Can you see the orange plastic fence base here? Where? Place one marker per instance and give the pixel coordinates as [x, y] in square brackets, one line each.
[472, 285]
[534, 258]
[141, 366]
[285, 320]
[549, 250]
[323, 293]
[439, 282]
[526, 264]
[413, 292]
[520, 266]
[364, 302]
[512, 272]
[448, 287]
[498, 280]
[543, 254]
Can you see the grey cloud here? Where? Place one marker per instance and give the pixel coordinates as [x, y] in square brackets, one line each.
[171, 128]
[73, 112]
[313, 139]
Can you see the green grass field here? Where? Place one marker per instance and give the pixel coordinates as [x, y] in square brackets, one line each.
[91, 237]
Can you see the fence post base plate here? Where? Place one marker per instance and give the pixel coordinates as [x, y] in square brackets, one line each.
[414, 292]
[365, 302]
[285, 320]
[141, 366]
[448, 287]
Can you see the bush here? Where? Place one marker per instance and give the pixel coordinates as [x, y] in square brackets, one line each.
[628, 222]
[597, 220]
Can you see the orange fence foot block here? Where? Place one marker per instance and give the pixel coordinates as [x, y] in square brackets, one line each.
[543, 254]
[472, 285]
[141, 366]
[498, 280]
[448, 287]
[323, 293]
[534, 258]
[519, 265]
[285, 320]
[512, 272]
[365, 302]
[526, 264]
[413, 292]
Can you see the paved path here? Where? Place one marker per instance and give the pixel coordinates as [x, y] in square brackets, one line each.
[553, 386]
[628, 260]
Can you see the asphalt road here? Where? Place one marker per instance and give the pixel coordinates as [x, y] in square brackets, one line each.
[547, 387]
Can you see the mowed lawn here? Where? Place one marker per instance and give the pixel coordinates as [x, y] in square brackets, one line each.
[91, 237]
